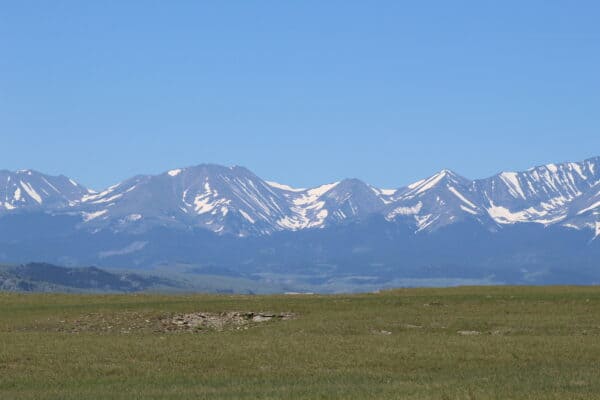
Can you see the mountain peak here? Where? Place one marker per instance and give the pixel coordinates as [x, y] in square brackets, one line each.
[445, 176]
[445, 172]
[27, 189]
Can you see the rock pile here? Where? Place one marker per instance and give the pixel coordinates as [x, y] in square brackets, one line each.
[220, 321]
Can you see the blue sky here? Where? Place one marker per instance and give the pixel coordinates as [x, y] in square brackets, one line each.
[300, 92]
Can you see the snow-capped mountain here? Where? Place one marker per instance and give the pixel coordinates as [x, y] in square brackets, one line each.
[584, 212]
[233, 200]
[330, 204]
[562, 194]
[28, 190]
[543, 194]
[220, 199]
[442, 199]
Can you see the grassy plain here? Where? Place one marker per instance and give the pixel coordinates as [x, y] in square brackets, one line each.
[456, 343]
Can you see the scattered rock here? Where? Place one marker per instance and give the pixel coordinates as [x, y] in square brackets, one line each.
[469, 333]
[500, 332]
[220, 321]
[381, 332]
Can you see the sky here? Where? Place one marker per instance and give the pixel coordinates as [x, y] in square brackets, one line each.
[303, 92]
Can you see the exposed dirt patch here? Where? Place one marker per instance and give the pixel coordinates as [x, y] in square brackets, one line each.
[232, 320]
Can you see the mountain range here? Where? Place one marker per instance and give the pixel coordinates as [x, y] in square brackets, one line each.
[229, 220]
[233, 200]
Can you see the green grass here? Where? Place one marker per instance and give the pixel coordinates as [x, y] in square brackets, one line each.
[535, 343]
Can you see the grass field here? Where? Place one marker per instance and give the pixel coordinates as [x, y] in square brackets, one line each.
[458, 343]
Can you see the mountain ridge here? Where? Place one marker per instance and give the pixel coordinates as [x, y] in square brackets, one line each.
[234, 200]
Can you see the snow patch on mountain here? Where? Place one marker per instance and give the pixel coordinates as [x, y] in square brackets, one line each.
[133, 217]
[313, 194]
[424, 221]
[503, 215]
[511, 180]
[93, 215]
[98, 197]
[31, 192]
[468, 210]
[430, 183]
[416, 184]
[286, 188]
[247, 216]
[384, 192]
[577, 168]
[209, 201]
[461, 197]
[590, 208]
[307, 209]
[405, 211]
